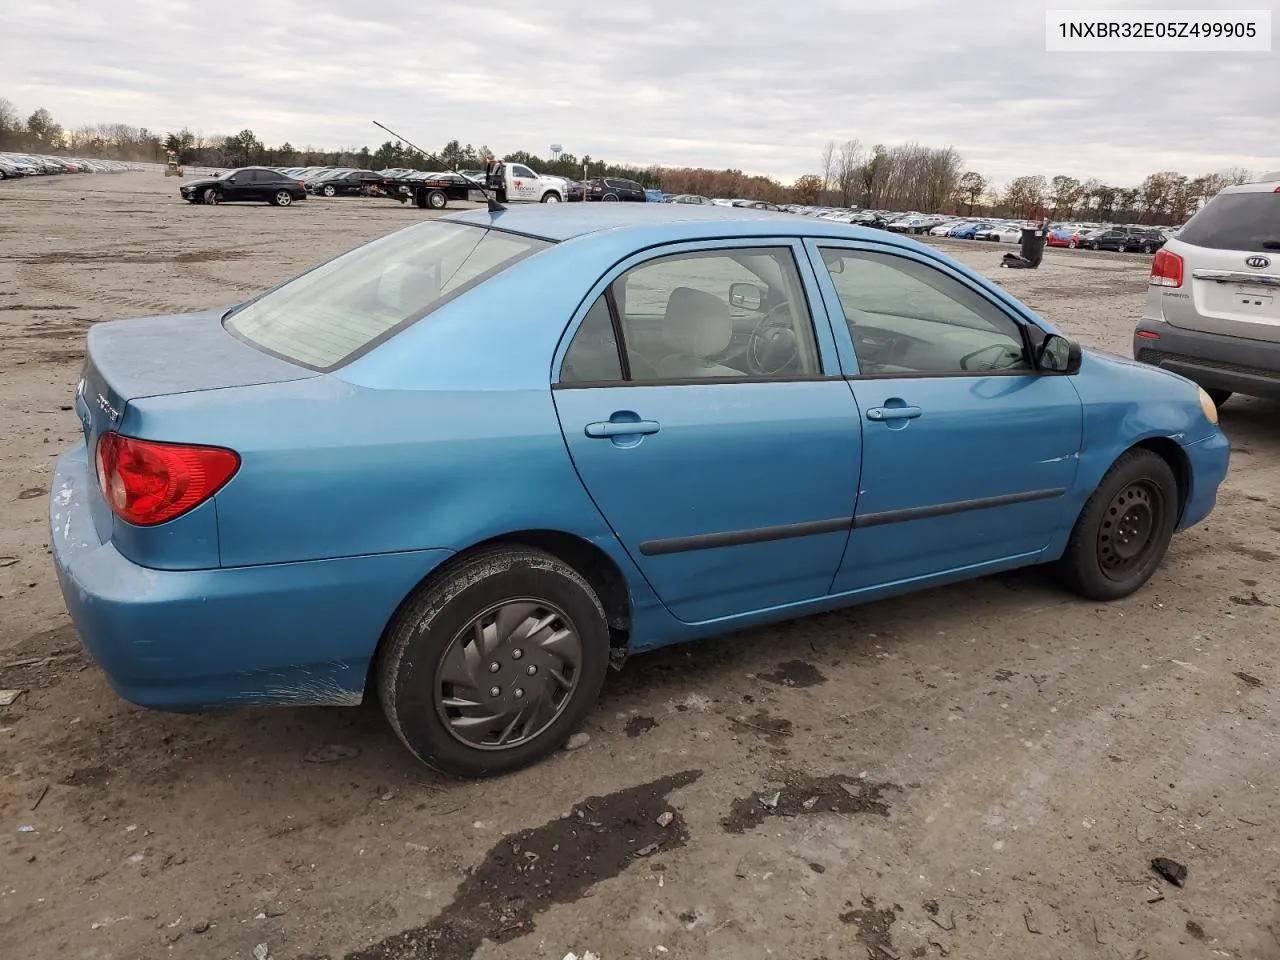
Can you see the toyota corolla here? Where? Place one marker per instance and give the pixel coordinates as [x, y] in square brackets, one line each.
[466, 467]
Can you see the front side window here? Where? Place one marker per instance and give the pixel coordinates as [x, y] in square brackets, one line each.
[520, 171]
[906, 317]
[342, 308]
[719, 314]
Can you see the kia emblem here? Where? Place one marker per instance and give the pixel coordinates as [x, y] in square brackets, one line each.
[1258, 263]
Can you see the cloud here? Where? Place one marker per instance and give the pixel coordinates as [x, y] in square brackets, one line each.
[720, 83]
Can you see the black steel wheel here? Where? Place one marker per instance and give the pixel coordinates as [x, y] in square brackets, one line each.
[490, 666]
[1124, 530]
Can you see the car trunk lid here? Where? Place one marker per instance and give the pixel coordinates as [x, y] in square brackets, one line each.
[126, 360]
[1230, 255]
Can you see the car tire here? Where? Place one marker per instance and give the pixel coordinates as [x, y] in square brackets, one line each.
[211, 196]
[1146, 248]
[550, 197]
[436, 200]
[1073, 243]
[282, 198]
[329, 191]
[610, 198]
[1137, 500]
[437, 631]
[1219, 397]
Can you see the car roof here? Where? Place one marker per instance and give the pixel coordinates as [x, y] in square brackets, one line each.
[1261, 186]
[558, 222]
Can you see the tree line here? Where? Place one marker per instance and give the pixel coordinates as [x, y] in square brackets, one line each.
[906, 177]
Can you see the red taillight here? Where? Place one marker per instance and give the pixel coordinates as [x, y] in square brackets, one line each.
[146, 483]
[1148, 335]
[1166, 269]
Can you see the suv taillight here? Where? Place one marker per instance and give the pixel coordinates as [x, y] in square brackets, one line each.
[1166, 269]
[147, 483]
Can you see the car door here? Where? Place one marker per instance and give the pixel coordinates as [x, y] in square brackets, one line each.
[523, 183]
[701, 402]
[968, 450]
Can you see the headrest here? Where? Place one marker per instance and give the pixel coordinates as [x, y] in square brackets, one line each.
[696, 323]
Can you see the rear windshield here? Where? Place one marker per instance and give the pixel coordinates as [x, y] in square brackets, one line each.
[1248, 222]
[347, 306]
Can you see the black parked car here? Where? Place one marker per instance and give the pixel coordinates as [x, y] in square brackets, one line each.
[350, 183]
[245, 185]
[1123, 239]
[613, 189]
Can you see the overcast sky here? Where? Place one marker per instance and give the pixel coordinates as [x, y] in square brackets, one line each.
[750, 84]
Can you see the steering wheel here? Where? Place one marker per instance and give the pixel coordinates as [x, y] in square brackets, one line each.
[773, 345]
[1013, 357]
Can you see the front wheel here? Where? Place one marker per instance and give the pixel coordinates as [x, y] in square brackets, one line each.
[550, 197]
[436, 200]
[1124, 530]
[282, 198]
[211, 196]
[489, 668]
[330, 191]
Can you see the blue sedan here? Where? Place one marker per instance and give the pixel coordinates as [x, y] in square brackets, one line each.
[466, 467]
[969, 231]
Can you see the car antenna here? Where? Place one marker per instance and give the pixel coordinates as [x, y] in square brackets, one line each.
[490, 199]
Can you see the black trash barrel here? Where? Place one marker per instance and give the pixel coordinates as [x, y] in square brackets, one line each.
[1033, 240]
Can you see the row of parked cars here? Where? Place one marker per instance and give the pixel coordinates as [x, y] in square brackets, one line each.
[1091, 236]
[15, 165]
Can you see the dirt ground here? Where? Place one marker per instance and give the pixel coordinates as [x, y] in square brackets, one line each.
[984, 771]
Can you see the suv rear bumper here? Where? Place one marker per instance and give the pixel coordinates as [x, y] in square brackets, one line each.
[1214, 361]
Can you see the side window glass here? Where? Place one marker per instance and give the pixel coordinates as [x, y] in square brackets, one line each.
[719, 314]
[593, 356]
[907, 317]
[520, 171]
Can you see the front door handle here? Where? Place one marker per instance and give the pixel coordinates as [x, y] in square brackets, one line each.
[893, 413]
[622, 428]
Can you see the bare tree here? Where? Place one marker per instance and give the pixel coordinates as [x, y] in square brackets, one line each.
[848, 164]
[828, 169]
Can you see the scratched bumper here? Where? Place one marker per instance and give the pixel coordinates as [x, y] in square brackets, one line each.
[292, 633]
[1209, 459]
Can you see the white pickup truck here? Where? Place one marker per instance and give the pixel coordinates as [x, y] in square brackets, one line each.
[516, 183]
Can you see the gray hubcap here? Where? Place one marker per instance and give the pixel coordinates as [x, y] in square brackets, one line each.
[508, 674]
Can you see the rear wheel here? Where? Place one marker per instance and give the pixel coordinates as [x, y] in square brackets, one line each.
[489, 668]
[1146, 248]
[211, 196]
[1124, 530]
[1219, 397]
[610, 198]
[282, 198]
[1073, 243]
[436, 200]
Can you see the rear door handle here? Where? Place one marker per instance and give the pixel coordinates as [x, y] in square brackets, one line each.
[893, 413]
[621, 428]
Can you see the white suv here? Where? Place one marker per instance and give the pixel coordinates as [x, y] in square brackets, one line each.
[1213, 300]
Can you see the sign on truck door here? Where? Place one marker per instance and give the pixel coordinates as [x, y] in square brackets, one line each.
[524, 183]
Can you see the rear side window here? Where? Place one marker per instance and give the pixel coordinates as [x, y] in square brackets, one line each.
[343, 308]
[1236, 221]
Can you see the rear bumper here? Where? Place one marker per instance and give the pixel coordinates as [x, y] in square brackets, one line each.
[1214, 361]
[289, 633]
[1209, 459]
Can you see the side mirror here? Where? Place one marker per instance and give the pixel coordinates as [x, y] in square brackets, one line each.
[746, 296]
[1057, 354]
